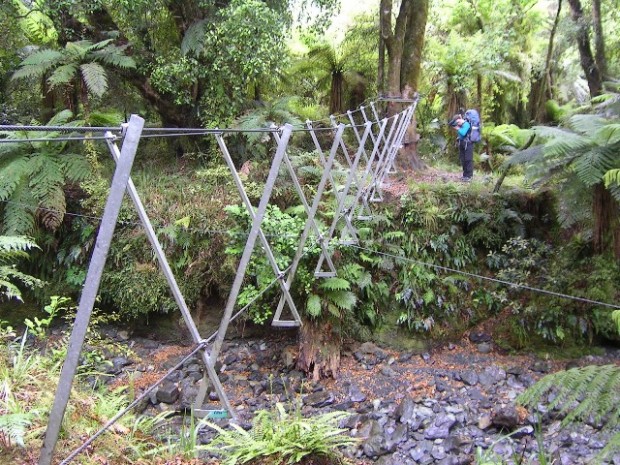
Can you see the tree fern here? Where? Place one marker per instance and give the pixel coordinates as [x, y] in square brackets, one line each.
[582, 394]
[37, 64]
[583, 156]
[79, 66]
[34, 176]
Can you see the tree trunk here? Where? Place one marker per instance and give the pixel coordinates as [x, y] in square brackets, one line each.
[588, 64]
[538, 111]
[319, 350]
[457, 101]
[606, 235]
[172, 115]
[404, 44]
[599, 40]
[336, 96]
[48, 106]
[381, 63]
[414, 44]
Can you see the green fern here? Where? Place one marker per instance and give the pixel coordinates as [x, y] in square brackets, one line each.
[95, 78]
[13, 249]
[286, 437]
[335, 284]
[591, 392]
[580, 156]
[13, 428]
[80, 65]
[34, 177]
[193, 40]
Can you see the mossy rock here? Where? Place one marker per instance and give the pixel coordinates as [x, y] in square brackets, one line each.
[391, 335]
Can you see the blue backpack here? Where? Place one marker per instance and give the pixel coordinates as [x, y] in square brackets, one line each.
[473, 118]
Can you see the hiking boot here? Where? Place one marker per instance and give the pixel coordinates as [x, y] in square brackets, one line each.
[466, 179]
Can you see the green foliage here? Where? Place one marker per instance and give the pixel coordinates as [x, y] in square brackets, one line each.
[445, 229]
[189, 219]
[530, 262]
[16, 369]
[282, 436]
[578, 156]
[12, 250]
[35, 175]
[282, 231]
[39, 327]
[27, 384]
[590, 393]
[507, 138]
[14, 420]
[80, 63]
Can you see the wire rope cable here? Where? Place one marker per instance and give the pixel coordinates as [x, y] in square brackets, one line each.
[151, 132]
[486, 278]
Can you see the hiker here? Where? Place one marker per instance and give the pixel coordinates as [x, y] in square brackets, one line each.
[466, 147]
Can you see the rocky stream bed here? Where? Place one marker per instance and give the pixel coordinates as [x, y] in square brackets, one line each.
[435, 407]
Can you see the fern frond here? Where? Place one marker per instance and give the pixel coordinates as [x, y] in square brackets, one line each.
[592, 166]
[11, 175]
[8, 290]
[580, 393]
[552, 132]
[77, 50]
[344, 300]
[41, 61]
[9, 275]
[16, 243]
[608, 134]
[612, 177]
[14, 426]
[313, 305]
[335, 284]
[613, 446]
[62, 75]
[193, 40]
[98, 46]
[75, 167]
[614, 189]
[19, 213]
[95, 78]
[61, 118]
[46, 175]
[585, 124]
[115, 56]
[523, 157]
[101, 118]
[567, 148]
